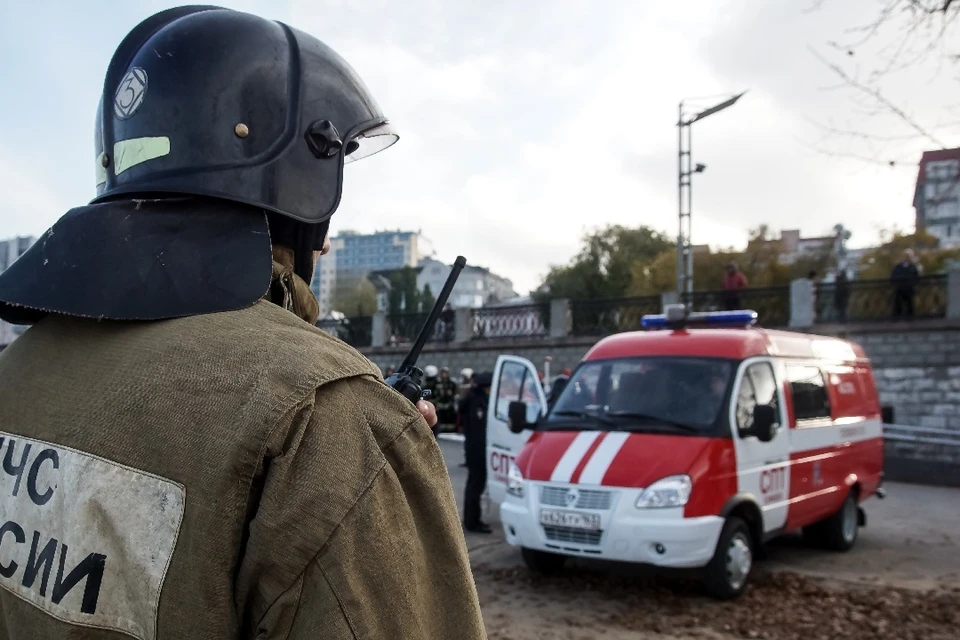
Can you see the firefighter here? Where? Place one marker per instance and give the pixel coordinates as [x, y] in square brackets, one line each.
[466, 375]
[445, 400]
[195, 455]
[474, 414]
[559, 384]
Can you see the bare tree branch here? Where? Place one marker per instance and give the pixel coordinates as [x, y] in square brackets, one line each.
[879, 98]
[861, 135]
[890, 48]
[892, 163]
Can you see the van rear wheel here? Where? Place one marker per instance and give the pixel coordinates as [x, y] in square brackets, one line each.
[542, 561]
[840, 530]
[726, 576]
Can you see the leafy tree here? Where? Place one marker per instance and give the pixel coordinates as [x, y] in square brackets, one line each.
[358, 300]
[878, 263]
[759, 262]
[403, 291]
[660, 276]
[427, 299]
[603, 267]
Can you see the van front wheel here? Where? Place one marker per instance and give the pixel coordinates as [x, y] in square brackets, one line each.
[542, 561]
[725, 577]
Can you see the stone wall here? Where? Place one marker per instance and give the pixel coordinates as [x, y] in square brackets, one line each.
[917, 368]
[481, 355]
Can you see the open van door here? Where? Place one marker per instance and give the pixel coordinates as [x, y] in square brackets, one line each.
[514, 379]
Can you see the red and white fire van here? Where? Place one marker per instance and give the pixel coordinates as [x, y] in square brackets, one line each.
[687, 446]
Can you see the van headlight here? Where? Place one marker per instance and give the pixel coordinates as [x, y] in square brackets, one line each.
[514, 480]
[672, 491]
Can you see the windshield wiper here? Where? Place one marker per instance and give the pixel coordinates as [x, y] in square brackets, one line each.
[652, 418]
[583, 414]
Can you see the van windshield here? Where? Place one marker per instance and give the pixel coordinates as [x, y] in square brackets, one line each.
[644, 394]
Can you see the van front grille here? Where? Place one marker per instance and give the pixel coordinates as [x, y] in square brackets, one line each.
[589, 498]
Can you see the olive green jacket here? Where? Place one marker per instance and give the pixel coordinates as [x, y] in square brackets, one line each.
[232, 475]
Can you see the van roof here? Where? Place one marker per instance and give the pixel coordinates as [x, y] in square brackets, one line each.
[735, 344]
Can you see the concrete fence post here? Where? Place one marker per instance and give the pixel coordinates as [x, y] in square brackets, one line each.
[668, 298]
[561, 318]
[953, 293]
[379, 330]
[802, 313]
[463, 325]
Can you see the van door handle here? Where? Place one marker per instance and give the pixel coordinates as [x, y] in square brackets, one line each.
[767, 462]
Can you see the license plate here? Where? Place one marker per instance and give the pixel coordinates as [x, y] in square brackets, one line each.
[572, 519]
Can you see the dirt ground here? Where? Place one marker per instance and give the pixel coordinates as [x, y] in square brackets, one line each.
[902, 580]
[587, 604]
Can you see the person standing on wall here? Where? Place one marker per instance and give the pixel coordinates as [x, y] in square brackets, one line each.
[733, 282]
[905, 276]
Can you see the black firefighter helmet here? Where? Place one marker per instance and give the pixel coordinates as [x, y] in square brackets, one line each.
[216, 131]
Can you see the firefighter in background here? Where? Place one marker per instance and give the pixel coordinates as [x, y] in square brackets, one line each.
[430, 374]
[559, 384]
[466, 383]
[445, 399]
[474, 415]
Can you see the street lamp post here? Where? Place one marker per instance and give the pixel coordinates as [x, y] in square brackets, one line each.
[685, 171]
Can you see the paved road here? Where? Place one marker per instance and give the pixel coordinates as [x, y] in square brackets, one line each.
[912, 538]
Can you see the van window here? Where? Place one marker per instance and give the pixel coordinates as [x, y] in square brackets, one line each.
[809, 392]
[759, 386]
[653, 394]
[515, 383]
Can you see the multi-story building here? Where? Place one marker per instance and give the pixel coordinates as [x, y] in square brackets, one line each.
[475, 287]
[10, 250]
[353, 256]
[324, 279]
[792, 246]
[13, 248]
[936, 197]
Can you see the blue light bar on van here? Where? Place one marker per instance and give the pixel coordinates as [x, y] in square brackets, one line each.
[673, 319]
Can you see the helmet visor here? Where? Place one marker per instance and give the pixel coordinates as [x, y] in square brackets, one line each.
[371, 141]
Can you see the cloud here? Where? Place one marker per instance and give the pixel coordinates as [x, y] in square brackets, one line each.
[29, 196]
[522, 124]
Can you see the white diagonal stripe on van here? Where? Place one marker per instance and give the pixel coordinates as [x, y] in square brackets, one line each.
[572, 456]
[600, 460]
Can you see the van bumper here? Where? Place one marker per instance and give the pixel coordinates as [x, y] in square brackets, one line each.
[659, 537]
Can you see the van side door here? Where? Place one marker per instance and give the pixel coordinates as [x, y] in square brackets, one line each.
[762, 467]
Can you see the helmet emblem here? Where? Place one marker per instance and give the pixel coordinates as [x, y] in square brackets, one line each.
[130, 93]
[572, 496]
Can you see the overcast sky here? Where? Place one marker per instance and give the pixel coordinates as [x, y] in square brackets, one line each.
[524, 123]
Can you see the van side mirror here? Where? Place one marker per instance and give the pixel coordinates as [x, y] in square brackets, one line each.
[517, 417]
[764, 419]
